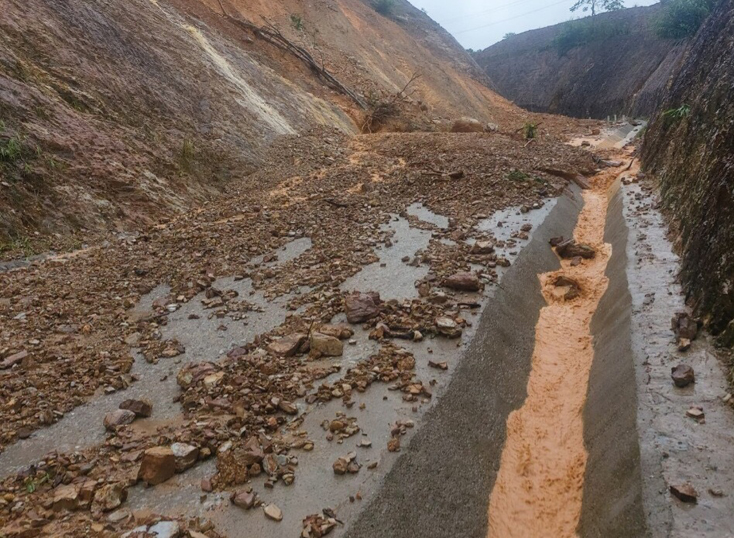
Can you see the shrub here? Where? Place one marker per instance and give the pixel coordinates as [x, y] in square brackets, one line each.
[296, 22]
[508, 35]
[583, 31]
[530, 130]
[682, 18]
[384, 7]
[517, 175]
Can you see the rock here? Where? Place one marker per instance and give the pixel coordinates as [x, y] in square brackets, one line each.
[109, 497]
[287, 407]
[685, 492]
[141, 408]
[158, 465]
[12, 360]
[555, 241]
[244, 499]
[186, 456]
[393, 445]
[165, 529]
[684, 344]
[340, 466]
[448, 327]
[273, 512]
[118, 418]
[342, 331]
[439, 365]
[467, 125]
[327, 346]
[683, 375]
[361, 307]
[66, 497]
[288, 345]
[571, 249]
[684, 326]
[696, 412]
[491, 127]
[566, 288]
[482, 247]
[463, 282]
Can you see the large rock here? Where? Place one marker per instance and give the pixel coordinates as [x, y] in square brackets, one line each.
[571, 249]
[109, 497]
[467, 125]
[118, 418]
[288, 345]
[682, 375]
[684, 326]
[186, 456]
[141, 408]
[327, 346]
[66, 497]
[361, 307]
[158, 465]
[463, 282]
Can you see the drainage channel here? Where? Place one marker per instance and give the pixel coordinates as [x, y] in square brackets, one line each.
[540, 482]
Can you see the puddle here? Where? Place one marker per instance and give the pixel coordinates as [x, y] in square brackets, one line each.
[391, 277]
[203, 339]
[426, 215]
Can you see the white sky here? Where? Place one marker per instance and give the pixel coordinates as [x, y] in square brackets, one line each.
[480, 23]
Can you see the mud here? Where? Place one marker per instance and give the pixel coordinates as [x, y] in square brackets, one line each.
[540, 482]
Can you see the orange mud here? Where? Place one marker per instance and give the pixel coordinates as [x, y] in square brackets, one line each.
[539, 486]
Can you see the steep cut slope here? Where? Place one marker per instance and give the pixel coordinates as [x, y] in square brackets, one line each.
[115, 114]
[690, 149]
[622, 73]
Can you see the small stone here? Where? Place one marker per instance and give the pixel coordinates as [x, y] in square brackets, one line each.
[244, 499]
[695, 412]
[66, 497]
[158, 465]
[340, 466]
[12, 360]
[482, 247]
[273, 512]
[141, 408]
[684, 344]
[118, 418]
[109, 497]
[682, 375]
[685, 492]
[571, 249]
[439, 365]
[393, 445]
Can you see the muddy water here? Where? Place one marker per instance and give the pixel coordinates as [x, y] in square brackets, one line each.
[539, 486]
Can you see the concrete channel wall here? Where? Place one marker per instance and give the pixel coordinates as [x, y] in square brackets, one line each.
[613, 500]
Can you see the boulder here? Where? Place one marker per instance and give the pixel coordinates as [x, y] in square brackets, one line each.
[118, 418]
[109, 497]
[288, 345]
[683, 375]
[463, 282]
[186, 456]
[327, 346]
[571, 249]
[141, 408]
[467, 125]
[158, 465]
[66, 497]
[361, 307]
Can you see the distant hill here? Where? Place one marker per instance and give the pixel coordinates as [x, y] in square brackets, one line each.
[623, 69]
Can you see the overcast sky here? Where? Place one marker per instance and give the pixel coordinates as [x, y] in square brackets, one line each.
[480, 23]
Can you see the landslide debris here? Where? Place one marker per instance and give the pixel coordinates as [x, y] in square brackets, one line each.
[73, 319]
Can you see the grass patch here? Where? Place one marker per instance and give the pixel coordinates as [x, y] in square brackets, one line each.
[187, 155]
[680, 19]
[581, 32]
[384, 7]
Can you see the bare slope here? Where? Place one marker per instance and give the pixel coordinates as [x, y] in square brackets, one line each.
[624, 73]
[119, 113]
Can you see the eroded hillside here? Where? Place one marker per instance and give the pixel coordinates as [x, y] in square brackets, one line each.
[117, 114]
[622, 70]
[690, 150]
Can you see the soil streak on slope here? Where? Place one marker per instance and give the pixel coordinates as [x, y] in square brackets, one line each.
[539, 486]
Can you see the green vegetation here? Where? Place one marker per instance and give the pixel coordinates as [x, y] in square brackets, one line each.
[530, 130]
[580, 32]
[296, 22]
[384, 7]
[682, 18]
[187, 155]
[517, 175]
[597, 5]
[674, 115]
[509, 35]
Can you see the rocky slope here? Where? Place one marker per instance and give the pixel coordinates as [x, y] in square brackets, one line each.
[690, 149]
[117, 114]
[624, 73]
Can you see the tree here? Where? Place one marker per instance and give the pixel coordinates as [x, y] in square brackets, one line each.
[509, 35]
[597, 5]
